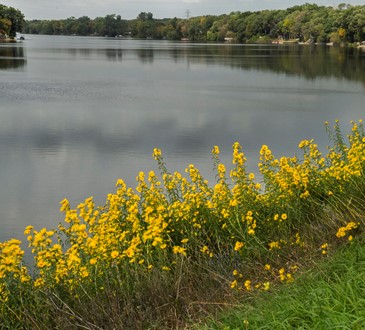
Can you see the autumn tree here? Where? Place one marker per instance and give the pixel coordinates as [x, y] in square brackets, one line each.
[11, 20]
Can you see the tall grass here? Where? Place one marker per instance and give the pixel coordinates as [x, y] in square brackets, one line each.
[329, 297]
[175, 248]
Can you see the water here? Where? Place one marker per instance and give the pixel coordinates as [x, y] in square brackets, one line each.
[78, 113]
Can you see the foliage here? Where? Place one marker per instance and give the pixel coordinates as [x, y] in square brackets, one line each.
[175, 247]
[11, 20]
[329, 297]
[308, 22]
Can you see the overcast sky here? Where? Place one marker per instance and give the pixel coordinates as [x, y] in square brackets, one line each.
[128, 9]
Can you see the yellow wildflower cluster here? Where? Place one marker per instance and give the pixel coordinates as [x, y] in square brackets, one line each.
[12, 273]
[247, 284]
[288, 277]
[324, 248]
[293, 178]
[168, 218]
[342, 231]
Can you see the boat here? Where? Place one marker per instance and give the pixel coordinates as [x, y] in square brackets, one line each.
[290, 41]
[283, 41]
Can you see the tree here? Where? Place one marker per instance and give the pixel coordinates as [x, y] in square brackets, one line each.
[145, 26]
[5, 25]
[15, 17]
[145, 16]
[307, 22]
[83, 26]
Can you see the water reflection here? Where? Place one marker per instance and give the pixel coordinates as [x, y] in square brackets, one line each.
[85, 53]
[294, 60]
[12, 57]
[310, 62]
[306, 61]
[88, 111]
[145, 55]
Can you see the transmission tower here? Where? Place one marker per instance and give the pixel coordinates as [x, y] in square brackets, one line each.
[187, 13]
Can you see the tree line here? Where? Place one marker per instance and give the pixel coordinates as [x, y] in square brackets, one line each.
[11, 21]
[307, 23]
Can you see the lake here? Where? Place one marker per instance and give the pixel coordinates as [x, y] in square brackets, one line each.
[77, 113]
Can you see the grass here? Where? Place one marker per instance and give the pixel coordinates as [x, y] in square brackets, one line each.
[329, 296]
[176, 249]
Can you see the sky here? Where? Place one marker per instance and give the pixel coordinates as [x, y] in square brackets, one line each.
[129, 9]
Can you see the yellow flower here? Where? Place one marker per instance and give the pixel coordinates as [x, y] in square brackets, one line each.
[39, 282]
[267, 267]
[27, 230]
[274, 245]
[238, 246]
[65, 205]
[324, 248]
[215, 150]
[221, 169]
[251, 231]
[179, 250]
[41, 263]
[263, 149]
[84, 272]
[114, 254]
[156, 153]
[303, 144]
[234, 284]
[93, 261]
[284, 216]
[289, 278]
[204, 249]
[341, 232]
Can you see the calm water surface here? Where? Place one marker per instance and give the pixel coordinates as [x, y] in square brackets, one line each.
[78, 113]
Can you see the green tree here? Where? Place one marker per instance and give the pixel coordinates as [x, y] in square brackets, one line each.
[171, 30]
[145, 26]
[99, 26]
[15, 17]
[307, 22]
[5, 25]
[58, 27]
[355, 19]
[83, 26]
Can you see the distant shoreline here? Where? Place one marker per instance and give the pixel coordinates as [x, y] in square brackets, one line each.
[7, 40]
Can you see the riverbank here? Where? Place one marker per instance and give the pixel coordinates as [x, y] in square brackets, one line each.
[175, 249]
[328, 296]
[7, 40]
